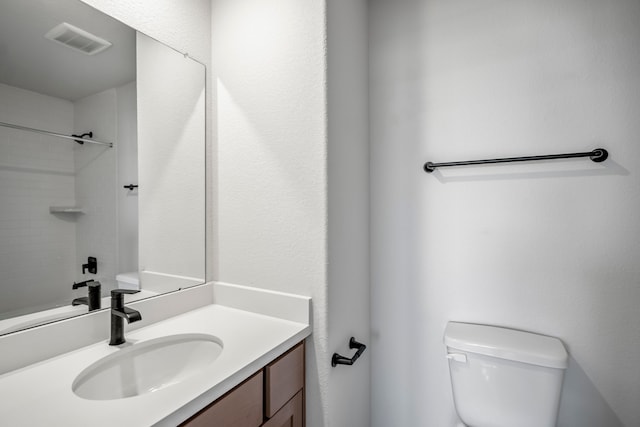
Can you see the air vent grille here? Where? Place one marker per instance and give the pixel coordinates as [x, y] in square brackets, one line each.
[77, 39]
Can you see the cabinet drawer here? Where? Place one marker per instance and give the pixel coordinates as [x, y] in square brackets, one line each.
[241, 407]
[290, 415]
[284, 377]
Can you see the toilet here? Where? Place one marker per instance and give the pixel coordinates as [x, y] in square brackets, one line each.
[503, 377]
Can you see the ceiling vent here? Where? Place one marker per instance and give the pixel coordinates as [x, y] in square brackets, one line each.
[77, 39]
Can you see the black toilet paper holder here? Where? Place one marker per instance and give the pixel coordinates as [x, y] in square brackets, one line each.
[341, 360]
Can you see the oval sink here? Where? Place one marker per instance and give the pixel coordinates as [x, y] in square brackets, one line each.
[147, 367]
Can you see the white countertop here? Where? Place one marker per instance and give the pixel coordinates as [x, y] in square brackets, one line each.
[41, 394]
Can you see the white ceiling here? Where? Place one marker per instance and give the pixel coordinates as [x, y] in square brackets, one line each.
[29, 61]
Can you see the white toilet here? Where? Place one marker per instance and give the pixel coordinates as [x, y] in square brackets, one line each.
[503, 377]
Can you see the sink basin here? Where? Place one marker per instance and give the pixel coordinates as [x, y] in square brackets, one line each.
[147, 366]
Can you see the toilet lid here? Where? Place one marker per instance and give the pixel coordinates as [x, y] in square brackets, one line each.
[507, 344]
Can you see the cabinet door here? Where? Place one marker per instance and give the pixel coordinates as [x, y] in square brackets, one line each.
[241, 407]
[290, 415]
[284, 377]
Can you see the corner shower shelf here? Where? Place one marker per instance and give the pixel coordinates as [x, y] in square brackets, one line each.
[66, 209]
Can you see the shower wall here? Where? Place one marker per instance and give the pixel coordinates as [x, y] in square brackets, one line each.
[37, 248]
[95, 168]
[41, 253]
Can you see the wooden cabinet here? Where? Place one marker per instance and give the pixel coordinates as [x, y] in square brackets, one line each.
[241, 407]
[272, 397]
[290, 415]
[283, 378]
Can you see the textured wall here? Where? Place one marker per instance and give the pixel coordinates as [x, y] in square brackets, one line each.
[268, 66]
[552, 247]
[183, 25]
[270, 126]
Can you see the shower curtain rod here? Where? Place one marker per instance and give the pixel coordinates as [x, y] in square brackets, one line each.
[58, 135]
[598, 155]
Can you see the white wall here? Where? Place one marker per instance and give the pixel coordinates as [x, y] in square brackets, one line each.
[269, 127]
[95, 189]
[183, 25]
[348, 204]
[37, 248]
[268, 65]
[551, 248]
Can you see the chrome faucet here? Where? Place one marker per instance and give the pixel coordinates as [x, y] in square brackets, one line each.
[119, 313]
[93, 299]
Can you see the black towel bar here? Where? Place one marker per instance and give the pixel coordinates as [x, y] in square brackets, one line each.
[598, 155]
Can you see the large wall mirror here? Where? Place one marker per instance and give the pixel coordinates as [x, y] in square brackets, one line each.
[102, 163]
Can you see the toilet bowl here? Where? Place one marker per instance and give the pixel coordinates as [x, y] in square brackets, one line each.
[503, 377]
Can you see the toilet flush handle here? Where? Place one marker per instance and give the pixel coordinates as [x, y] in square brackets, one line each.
[457, 357]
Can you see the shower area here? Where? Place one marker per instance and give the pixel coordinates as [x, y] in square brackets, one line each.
[60, 197]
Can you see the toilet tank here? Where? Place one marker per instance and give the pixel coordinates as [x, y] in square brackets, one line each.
[503, 377]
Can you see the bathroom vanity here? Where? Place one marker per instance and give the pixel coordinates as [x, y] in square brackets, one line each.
[256, 373]
[272, 397]
[132, 200]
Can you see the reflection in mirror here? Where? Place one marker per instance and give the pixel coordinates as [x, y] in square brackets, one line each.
[66, 220]
[171, 116]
